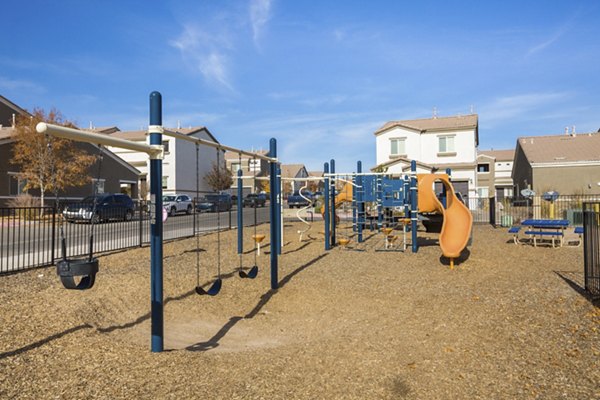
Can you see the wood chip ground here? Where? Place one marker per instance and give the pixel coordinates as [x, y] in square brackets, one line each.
[509, 322]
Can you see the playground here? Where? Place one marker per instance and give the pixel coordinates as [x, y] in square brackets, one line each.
[507, 322]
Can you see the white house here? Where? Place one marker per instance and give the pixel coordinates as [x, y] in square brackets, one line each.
[438, 143]
[179, 163]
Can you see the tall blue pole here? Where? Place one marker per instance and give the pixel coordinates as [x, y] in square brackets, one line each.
[332, 169]
[326, 214]
[240, 212]
[360, 205]
[156, 227]
[275, 211]
[414, 212]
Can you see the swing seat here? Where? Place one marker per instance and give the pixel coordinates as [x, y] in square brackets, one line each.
[258, 238]
[213, 290]
[387, 231]
[85, 268]
[343, 241]
[251, 274]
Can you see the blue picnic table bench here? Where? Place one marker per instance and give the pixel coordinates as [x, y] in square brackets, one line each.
[540, 229]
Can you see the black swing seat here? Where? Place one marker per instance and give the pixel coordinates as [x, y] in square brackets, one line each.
[69, 269]
[213, 290]
[253, 273]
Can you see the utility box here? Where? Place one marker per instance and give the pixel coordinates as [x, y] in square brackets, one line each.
[506, 220]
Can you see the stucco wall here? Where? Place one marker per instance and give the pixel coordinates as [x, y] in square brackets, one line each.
[567, 180]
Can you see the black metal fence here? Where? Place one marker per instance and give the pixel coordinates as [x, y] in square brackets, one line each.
[512, 210]
[31, 236]
[591, 247]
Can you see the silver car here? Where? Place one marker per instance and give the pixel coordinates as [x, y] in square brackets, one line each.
[177, 203]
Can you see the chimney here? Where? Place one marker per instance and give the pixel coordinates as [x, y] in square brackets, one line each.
[573, 131]
[566, 130]
[434, 112]
[14, 120]
[178, 124]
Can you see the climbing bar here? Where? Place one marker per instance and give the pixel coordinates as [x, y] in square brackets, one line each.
[205, 142]
[155, 151]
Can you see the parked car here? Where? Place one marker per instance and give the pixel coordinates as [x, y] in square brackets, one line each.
[108, 207]
[176, 203]
[255, 200]
[295, 200]
[214, 203]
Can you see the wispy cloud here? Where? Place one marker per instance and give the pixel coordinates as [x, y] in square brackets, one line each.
[260, 14]
[508, 107]
[555, 36]
[206, 53]
[9, 84]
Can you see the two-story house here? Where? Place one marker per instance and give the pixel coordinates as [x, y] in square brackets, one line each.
[296, 171]
[494, 170]
[179, 163]
[251, 167]
[435, 143]
[568, 164]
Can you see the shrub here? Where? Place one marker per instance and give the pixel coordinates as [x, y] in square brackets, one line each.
[26, 206]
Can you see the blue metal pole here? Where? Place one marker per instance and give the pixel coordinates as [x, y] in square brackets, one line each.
[326, 214]
[332, 169]
[275, 210]
[156, 228]
[240, 212]
[360, 205]
[414, 212]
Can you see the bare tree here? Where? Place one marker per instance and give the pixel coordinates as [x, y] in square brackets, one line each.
[48, 163]
[218, 178]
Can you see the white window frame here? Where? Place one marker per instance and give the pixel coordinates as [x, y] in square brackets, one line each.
[449, 145]
[400, 146]
[165, 182]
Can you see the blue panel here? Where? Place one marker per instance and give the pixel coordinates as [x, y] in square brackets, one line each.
[393, 192]
[369, 183]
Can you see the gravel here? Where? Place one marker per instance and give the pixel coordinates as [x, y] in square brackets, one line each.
[356, 323]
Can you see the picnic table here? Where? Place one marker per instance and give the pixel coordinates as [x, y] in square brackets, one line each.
[539, 230]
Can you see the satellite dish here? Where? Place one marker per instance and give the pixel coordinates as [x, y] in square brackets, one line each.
[550, 196]
[527, 193]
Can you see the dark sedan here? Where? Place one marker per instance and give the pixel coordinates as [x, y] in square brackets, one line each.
[214, 203]
[103, 207]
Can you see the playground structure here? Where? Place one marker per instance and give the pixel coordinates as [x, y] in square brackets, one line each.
[406, 195]
[155, 152]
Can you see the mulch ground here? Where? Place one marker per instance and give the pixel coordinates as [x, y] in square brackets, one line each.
[508, 322]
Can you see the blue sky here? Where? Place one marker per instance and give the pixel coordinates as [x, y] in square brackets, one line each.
[319, 76]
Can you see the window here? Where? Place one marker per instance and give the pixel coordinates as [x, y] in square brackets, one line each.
[165, 181]
[98, 185]
[16, 185]
[235, 166]
[446, 144]
[482, 192]
[165, 144]
[254, 164]
[398, 146]
[483, 167]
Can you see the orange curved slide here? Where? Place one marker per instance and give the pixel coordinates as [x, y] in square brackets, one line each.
[458, 220]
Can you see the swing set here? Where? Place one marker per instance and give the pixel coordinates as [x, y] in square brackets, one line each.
[86, 268]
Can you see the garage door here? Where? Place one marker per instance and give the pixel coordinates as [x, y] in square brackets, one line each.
[461, 187]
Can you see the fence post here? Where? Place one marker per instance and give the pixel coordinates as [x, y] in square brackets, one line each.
[230, 219]
[493, 211]
[52, 254]
[141, 217]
